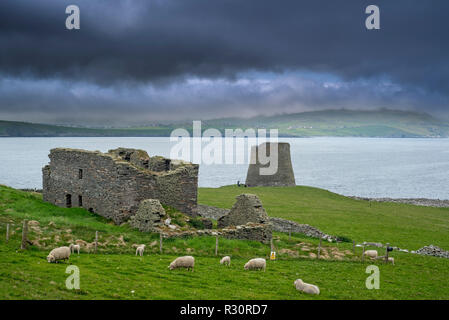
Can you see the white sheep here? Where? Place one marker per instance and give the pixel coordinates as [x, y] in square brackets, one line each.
[187, 262]
[74, 247]
[371, 253]
[140, 249]
[306, 287]
[226, 261]
[61, 253]
[256, 264]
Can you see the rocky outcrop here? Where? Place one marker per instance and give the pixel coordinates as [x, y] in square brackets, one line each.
[432, 250]
[149, 216]
[282, 225]
[211, 212]
[247, 208]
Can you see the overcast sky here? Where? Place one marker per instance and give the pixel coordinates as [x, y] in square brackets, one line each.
[142, 61]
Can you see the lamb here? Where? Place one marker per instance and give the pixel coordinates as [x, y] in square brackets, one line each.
[61, 253]
[371, 253]
[140, 249]
[74, 247]
[306, 287]
[256, 264]
[226, 261]
[187, 262]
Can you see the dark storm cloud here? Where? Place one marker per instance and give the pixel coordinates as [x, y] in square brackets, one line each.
[152, 40]
[169, 58]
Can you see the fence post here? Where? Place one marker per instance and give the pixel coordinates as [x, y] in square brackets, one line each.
[363, 254]
[7, 232]
[290, 233]
[216, 245]
[96, 241]
[319, 249]
[353, 246]
[160, 242]
[386, 253]
[24, 235]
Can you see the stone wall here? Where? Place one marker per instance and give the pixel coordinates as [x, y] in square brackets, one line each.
[250, 231]
[283, 225]
[284, 175]
[113, 184]
[247, 208]
[211, 212]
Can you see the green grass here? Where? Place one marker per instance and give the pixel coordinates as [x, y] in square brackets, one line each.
[115, 271]
[401, 225]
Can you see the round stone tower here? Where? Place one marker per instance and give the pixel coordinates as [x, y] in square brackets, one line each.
[270, 165]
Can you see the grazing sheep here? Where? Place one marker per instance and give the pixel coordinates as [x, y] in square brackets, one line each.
[74, 247]
[371, 253]
[61, 253]
[226, 261]
[256, 264]
[187, 262]
[140, 249]
[306, 287]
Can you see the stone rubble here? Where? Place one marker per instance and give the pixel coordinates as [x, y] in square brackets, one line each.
[432, 250]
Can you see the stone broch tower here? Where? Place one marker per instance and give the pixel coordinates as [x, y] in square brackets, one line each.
[284, 176]
[114, 184]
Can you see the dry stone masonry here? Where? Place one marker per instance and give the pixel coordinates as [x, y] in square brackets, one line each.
[149, 216]
[113, 184]
[283, 225]
[247, 208]
[284, 176]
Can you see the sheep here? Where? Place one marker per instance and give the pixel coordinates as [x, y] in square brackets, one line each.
[74, 247]
[187, 262]
[371, 253]
[306, 287]
[61, 253]
[256, 264]
[140, 249]
[226, 261]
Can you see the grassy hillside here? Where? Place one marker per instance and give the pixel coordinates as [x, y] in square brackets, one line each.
[340, 123]
[116, 273]
[24, 129]
[343, 123]
[402, 225]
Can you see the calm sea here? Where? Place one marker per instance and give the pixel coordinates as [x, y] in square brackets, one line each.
[367, 167]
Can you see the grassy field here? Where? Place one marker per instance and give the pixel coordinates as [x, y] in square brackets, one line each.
[116, 273]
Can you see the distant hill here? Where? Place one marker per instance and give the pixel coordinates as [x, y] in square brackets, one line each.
[337, 123]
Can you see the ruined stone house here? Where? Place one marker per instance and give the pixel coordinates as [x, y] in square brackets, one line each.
[113, 184]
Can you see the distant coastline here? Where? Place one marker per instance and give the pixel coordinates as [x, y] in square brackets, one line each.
[330, 123]
[414, 201]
